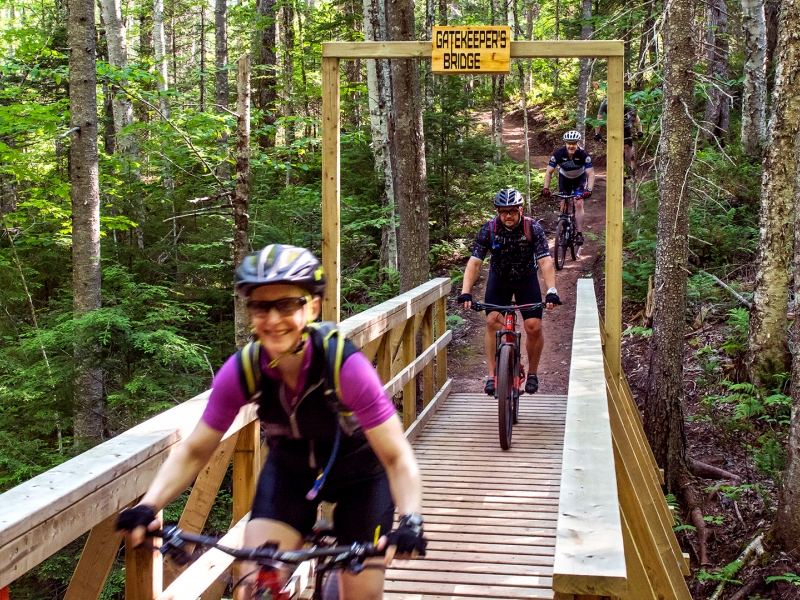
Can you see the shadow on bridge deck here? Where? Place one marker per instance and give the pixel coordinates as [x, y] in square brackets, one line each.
[490, 515]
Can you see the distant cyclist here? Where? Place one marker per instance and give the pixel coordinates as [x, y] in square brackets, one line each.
[518, 247]
[575, 176]
[629, 120]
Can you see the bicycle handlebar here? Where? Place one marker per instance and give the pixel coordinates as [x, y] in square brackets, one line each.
[565, 196]
[175, 540]
[479, 306]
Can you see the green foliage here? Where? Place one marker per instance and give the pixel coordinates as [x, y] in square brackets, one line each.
[642, 331]
[739, 324]
[725, 574]
[770, 457]
[792, 578]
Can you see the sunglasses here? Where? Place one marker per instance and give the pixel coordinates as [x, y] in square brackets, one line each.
[508, 211]
[286, 307]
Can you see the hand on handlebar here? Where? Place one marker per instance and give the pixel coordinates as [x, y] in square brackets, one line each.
[546, 192]
[465, 300]
[597, 137]
[407, 541]
[551, 300]
[586, 194]
[137, 521]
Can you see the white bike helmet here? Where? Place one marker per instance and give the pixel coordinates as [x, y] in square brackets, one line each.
[572, 136]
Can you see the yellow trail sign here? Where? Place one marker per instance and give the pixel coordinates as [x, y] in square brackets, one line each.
[480, 49]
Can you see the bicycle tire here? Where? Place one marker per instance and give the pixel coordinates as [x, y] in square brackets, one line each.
[505, 400]
[574, 249]
[560, 246]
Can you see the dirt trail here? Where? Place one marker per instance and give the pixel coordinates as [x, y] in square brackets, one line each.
[468, 364]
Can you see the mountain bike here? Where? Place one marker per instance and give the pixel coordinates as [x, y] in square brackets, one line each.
[566, 228]
[270, 581]
[508, 371]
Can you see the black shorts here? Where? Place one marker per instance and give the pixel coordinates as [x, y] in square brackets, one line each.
[570, 186]
[364, 508]
[628, 138]
[525, 291]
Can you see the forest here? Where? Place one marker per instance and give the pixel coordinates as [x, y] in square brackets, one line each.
[135, 175]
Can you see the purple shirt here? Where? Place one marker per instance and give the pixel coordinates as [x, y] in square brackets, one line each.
[362, 391]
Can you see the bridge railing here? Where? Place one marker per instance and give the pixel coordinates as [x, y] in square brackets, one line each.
[43, 515]
[614, 535]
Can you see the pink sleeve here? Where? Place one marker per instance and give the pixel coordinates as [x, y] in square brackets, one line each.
[226, 398]
[362, 392]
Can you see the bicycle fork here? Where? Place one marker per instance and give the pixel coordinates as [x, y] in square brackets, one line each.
[519, 370]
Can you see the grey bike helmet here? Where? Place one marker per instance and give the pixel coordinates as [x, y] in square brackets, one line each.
[279, 263]
[572, 136]
[509, 197]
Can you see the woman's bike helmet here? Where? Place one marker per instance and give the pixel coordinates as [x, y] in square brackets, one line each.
[279, 263]
[509, 197]
[572, 136]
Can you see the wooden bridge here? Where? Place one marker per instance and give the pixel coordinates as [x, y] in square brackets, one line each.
[573, 511]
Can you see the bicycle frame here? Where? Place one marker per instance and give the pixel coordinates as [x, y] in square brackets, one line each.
[508, 336]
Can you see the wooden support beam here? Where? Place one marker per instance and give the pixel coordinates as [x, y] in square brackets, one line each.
[400, 380]
[96, 561]
[422, 50]
[427, 371]
[441, 327]
[143, 570]
[385, 357]
[639, 587]
[416, 428]
[410, 388]
[614, 160]
[331, 125]
[246, 466]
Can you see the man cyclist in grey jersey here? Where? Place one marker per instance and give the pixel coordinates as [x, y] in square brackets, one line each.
[518, 247]
[630, 119]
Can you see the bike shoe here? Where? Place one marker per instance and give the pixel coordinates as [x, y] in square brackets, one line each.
[531, 384]
[579, 239]
[489, 387]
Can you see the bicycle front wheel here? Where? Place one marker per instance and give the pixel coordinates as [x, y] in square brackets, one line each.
[560, 246]
[505, 391]
[574, 249]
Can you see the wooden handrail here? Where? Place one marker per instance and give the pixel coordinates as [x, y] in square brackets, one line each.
[589, 557]
[41, 516]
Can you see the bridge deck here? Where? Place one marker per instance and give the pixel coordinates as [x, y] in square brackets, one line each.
[490, 515]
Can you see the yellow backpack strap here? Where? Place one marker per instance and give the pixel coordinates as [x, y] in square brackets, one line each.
[250, 369]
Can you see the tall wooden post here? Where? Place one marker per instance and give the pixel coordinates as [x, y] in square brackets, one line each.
[441, 358]
[241, 196]
[613, 299]
[144, 570]
[330, 188]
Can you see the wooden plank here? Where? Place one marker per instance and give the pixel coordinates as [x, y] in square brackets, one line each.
[441, 327]
[426, 414]
[385, 357]
[639, 587]
[453, 564]
[246, 466]
[472, 591]
[428, 387]
[613, 288]
[534, 49]
[589, 518]
[143, 570]
[407, 376]
[331, 125]
[96, 561]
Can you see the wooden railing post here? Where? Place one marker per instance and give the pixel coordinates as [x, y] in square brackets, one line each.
[410, 388]
[441, 327]
[246, 465]
[143, 570]
[427, 372]
[330, 187]
[96, 561]
[385, 357]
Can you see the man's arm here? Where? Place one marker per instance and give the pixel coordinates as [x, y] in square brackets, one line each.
[548, 271]
[590, 176]
[470, 277]
[547, 175]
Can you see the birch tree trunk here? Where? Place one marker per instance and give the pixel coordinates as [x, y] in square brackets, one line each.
[202, 83]
[407, 144]
[717, 114]
[266, 94]
[585, 69]
[663, 411]
[767, 351]
[786, 530]
[160, 51]
[754, 93]
[241, 196]
[379, 88]
[288, 71]
[221, 88]
[88, 409]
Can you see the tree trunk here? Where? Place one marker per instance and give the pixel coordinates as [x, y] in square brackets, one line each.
[664, 405]
[88, 406]
[772, 9]
[768, 351]
[145, 55]
[717, 114]
[266, 94]
[160, 50]
[241, 197]
[379, 88]
[585, 69]
[288, 71]
[221, 89]
[202, 57]
[754, 93]
[408, 153]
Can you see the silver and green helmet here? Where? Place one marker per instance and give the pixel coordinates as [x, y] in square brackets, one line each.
[279, 263]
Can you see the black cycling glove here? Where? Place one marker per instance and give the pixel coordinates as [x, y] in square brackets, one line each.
[464, 298]
[408, 536]
[597, 137]
[140, 515]
[552, 299]
[639, 134]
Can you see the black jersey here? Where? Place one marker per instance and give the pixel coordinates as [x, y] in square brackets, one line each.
[629, 114]
[513, 256]
[571, 167]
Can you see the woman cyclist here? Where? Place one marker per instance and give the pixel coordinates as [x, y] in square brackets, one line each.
[575, 176]
[374, 467]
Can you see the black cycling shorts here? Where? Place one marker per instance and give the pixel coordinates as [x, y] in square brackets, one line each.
[570, 186]
[525, 291]
[364, 508]
[628, 137]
